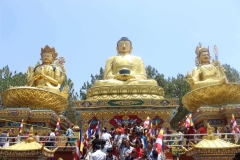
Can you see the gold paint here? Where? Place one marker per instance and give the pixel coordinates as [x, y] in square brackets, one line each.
[125, 92]
[47, 75]
[206, 73]
[212, 146]
[214, 95]
[34, 98]
[112, 77]
[43, 82]
[27, 148]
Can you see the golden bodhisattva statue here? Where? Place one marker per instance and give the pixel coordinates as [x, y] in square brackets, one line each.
[43, 85]
[205, 73]
[124, 68]
[47, 75]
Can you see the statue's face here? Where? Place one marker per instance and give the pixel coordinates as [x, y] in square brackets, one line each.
[204, 57]
[47, 58]
[124, 47]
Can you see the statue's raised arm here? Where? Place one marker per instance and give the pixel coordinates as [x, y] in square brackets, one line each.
[205, 73]
[47, 75]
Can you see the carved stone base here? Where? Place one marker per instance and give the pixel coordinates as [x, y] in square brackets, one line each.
[214, 95]
[33, 98]
[125, 92]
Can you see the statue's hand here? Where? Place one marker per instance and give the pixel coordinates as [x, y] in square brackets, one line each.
[30, 72]
[189, 78]
[123, 77]
[190, 81]
[216, 63]
[189, 75]
[223, 80]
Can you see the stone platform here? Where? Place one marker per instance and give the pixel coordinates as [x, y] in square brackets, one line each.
[125, 92]
[111, 112]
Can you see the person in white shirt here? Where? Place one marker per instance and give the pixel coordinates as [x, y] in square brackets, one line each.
[118, 138]
[125, 135]
[69, 134]
[37, 137]
[98, 154]
[52, 139]
[107, 138]
[179, 137]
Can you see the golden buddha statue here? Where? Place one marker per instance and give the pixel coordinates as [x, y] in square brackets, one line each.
[47, 75]
[205, 73]
[124, 68]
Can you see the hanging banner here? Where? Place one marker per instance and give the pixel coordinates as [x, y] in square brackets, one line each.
[125, 119]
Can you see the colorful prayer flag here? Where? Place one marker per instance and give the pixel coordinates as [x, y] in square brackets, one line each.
[79, 146]
[234, 124]
[21, 127]
[159, 142]
[87, 136]
[146, 123]
[189, 121]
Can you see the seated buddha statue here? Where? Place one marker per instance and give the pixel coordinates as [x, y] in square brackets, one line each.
[205, 73]
[124, 68]
[47, 75]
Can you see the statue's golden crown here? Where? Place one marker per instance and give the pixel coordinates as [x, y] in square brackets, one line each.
[48, 49]
[200, 49]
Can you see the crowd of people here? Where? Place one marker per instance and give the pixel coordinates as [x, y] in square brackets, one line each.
[8, 138]
[133, 142]
[122, 143]
[130, 142]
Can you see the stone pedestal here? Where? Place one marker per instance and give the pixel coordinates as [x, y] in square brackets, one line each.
[219, 116]
[111, 112]
[42, 120]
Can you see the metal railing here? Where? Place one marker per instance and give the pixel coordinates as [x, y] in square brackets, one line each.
[60, 141]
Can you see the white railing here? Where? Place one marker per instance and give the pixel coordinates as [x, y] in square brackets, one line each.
[60, 141]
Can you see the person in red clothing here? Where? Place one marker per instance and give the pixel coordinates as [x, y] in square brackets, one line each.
[169, 137]
[191, 131]
[120, 128]
[115, 149]
[138, 148]
[202, 130]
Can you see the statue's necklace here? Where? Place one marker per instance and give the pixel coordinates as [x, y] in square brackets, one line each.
[208, 67]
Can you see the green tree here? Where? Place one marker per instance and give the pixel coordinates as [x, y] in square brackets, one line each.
[152, 73]
[70, 113]
[87, 85]
[232, 74]
[178, 87]
[8, 78]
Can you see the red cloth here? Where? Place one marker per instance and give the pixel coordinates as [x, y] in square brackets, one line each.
[169, 137]
[120, 129]
[115, 152]
[202, 130]
[191, 131]
[139, 152]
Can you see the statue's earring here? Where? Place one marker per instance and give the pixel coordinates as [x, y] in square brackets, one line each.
[197, 62]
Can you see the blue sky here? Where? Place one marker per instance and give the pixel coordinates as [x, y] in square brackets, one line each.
[85, 32]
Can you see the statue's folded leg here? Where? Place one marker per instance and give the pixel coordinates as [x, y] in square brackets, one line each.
[128, 82]
[107, 83]
[205, 83]
[142, 82]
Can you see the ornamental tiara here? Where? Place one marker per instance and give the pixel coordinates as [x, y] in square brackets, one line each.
[48, 49]
[200, 49]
